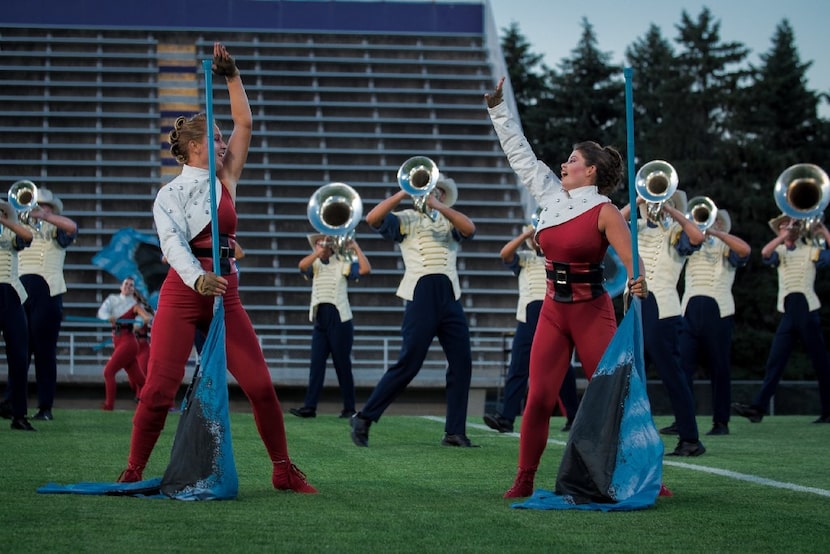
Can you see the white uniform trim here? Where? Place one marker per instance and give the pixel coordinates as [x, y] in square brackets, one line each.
[532, 281]
[558, 205]
[45, 257]
[181, 211]
[428, 248]
[9, 265]
[797, 273]
[330, 285]
[709, 273]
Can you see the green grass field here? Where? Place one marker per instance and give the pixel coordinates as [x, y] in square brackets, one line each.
[764, 488]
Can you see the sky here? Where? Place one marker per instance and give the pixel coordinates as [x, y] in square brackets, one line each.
[553, 27]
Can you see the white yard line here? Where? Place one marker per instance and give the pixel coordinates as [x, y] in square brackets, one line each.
[694, 467]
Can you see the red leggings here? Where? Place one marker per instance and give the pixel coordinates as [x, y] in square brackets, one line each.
[123, 357]
[181, 311]
[587, 326]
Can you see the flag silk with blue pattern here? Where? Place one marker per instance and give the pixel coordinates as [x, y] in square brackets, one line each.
[613, 460]
[131, 253]
[201, 464]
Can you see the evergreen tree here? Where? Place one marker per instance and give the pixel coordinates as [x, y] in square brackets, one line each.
[586, 101]
[659, 86]
[528, 78]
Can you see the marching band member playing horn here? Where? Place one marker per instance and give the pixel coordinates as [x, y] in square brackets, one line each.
[433, 308]
[14, 237]
[664, 250]
[796, 262]
[708, 312]
[182, 214]
[329, 310]
[41, 272]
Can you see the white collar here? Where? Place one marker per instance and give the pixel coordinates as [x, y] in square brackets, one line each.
[563, 205]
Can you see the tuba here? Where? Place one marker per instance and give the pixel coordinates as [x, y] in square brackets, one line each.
[655, 183]
[335, 210]
[417, 177]
[23, 199]
[702, 211]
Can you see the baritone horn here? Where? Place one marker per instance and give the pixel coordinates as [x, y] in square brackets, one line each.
[703, 212]
[23, 199]
[802, 191]
[417, 177]
[655, 183]
[335, 210]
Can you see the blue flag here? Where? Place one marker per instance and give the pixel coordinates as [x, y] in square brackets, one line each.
[613, 460]
[131, 253]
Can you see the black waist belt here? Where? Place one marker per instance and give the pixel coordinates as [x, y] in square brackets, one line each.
[561, 274]
[225, 252]
[576, 286]
[225, 249]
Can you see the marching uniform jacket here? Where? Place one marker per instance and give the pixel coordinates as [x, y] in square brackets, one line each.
[46, 256]
[330, 285]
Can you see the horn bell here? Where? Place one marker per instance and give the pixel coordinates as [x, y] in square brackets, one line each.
[702, 211]
[335, 209]
[656, 181]
[23, 196]
[802, 191]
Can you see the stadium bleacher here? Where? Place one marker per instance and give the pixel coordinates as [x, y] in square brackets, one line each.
[87, 102]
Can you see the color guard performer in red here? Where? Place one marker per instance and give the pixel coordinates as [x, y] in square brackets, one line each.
[183, 221]
[576, 225]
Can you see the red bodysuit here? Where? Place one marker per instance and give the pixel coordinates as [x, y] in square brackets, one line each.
[181, 311]
[586, 323]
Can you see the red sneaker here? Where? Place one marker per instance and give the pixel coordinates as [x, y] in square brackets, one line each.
[664, 491]
[288, 477]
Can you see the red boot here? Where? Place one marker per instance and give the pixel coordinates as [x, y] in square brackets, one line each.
[523, 485]
[132, 474]
[288, 477]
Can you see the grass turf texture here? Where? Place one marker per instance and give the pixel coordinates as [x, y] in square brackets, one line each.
[406, 493]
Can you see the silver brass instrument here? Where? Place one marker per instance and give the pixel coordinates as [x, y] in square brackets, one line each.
[23, 199]
[802, 191]
[335, 210]
[703, 212]
[655, 183]
[417, 177]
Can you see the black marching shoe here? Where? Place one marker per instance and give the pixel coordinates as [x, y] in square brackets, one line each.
[568, 424]
[752, 413]
[498, 422]
[670, 430]
[719, 428]
[43, 415]
[22, 424]
[346, 414]
[5, 409]
[688, 449]
[360, 430]
[304, 412]
[823, 419]
[457, 440]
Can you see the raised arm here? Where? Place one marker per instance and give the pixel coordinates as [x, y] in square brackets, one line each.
[240, 140]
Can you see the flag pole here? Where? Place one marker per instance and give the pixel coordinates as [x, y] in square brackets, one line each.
[632, 194]
[214, 217]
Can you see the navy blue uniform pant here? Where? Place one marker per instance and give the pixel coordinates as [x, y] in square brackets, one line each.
[16, 335]
[706, 332]
[797, 322]
[432, 312]
[44, 313]
[661, 339]
[331, 337]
